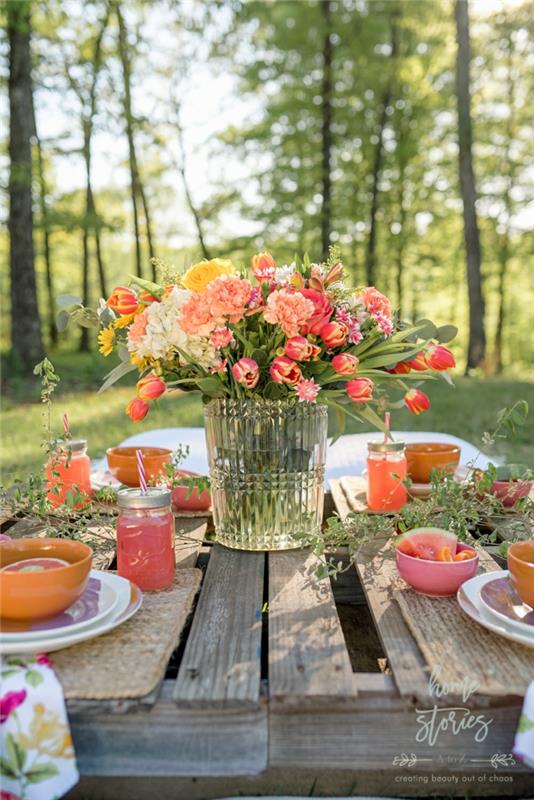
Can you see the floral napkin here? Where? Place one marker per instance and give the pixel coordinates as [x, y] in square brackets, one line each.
[524, 738]
[37, 756]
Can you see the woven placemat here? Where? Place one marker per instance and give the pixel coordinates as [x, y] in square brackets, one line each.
[131, 660]
[457, 648]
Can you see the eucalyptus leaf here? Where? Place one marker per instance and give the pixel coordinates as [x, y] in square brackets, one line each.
[116, 374]
[68, 300]
[446, 333]
[259, 356]
[427, 329]
[210, 385]
[62, 320]
[274, 391]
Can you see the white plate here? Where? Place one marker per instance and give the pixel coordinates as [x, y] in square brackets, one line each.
[97, 601]
[500, 615]
[129, 601]
[101, 479]
[469, 599]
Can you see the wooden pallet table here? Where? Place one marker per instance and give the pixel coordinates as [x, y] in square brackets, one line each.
[265, 697]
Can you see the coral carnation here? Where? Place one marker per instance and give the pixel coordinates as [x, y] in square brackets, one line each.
[227, 297]
[288, 309]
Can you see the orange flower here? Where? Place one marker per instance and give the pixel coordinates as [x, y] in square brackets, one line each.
[150, 388]
[375, 302]
[418, 363]
[284, 370]
[345, 364]
[288, 309]
[360, 390]
[416, 401]
[334, 334]
[137, 409]
[402, 368]
[246, 372]
[439, 358]
[300, 349]
[263, 267]
[123, 301]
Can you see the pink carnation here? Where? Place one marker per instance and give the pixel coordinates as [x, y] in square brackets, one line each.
[384, 323]
[376, 303]
[196, 318]
[138, 328]
[288, 309]
[221, 337]
[307, 391]
[227, 296]
[355, 334]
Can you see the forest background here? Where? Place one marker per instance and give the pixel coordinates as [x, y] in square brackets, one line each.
[398, 130]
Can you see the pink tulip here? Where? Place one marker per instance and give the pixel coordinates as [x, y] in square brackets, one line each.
[246, 372]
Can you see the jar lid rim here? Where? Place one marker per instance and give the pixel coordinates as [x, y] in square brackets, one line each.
[385, 447]
[156, 497]
[69, 444]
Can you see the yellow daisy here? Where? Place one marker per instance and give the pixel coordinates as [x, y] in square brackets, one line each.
[123, 322]
[106, 340]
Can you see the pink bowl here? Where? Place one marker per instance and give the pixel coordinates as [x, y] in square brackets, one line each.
[436, 578]
[195, 501]
[509, 492]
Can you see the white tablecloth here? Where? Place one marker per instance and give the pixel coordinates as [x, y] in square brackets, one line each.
[347, 456]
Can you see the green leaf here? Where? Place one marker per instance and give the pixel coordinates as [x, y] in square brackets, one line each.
[116, 374]
[371, 416]
[33, 677]
[7, 768]
[41, 772]
[68, 300]
[446, 333]
[259, 356]
[15, 752]
[150, 286]
[525, 724]
[210, 385]
[274, 391]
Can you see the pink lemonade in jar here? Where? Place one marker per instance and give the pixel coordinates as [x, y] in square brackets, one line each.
[386, 471]
[68, 472]
[145, 538]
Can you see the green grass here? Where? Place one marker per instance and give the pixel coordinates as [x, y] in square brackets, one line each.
[467, 411]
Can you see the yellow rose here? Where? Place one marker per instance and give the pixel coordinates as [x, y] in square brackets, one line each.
[199, 275]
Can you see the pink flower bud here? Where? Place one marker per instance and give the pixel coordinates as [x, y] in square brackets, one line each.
[246, 372]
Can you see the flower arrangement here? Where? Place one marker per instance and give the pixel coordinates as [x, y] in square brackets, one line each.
[280, 331]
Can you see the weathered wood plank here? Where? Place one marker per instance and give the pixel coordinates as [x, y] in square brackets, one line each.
[379, 577]
[221, 664]
[166, 740]
[187, 547]
[308, 657]
[371, 738]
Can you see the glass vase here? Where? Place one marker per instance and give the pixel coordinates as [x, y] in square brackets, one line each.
[267, 462]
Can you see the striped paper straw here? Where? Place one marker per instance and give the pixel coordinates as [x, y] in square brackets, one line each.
[141, 471]
[387, 420]
[65, 425]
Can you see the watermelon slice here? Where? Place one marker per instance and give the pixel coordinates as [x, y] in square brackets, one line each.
[426, 543]
[35, 565]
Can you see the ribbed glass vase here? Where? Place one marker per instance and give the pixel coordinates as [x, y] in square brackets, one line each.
[267, 461]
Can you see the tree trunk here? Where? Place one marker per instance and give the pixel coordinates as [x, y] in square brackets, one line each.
[370, 258]
[148, 223]
[400, 241]
[477, 338]
[47, 253]
[26, 342]
[503, 268]
[87, 224]
[127, 103]
[326, 211]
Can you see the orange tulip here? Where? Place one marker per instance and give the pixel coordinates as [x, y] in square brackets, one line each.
[246, 372]
[300, 349]
[439, 358]
[418, 363]
[263, 266]
[416, 401]
[402, 368]
[137, 409]
[345, 364]
[334, 334]
[360, 390]
[150, 388]
[284, 370]
[123, 301]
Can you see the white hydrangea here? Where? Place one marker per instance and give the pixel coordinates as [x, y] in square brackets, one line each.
[164, 335]
[283, 274]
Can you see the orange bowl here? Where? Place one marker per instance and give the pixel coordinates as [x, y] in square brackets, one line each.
[521, 567]
[422, 457]
[122, 463]
[37, 595]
